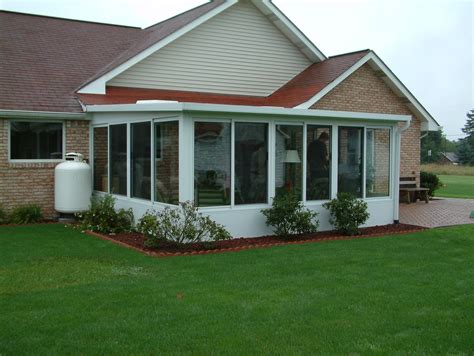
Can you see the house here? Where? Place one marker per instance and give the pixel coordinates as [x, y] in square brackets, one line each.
[448, 158]
[226, 104]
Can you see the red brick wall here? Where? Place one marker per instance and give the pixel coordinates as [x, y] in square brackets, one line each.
[364, 91]
[25, 183]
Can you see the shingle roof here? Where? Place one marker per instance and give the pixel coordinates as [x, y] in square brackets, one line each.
[44, 60]
[300, 89]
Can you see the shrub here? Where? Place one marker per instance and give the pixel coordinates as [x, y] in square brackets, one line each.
[347, 213]
[27, 214]
[182, 225]
[430, 181]
[3, 216]
[102, 216]
[288, 217]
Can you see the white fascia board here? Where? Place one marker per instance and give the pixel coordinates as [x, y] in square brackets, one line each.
[430, 123]
[289, 29]
[42, 115]
[242, 109]
[98, 86]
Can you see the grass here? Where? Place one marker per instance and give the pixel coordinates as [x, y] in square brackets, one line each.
[448, 169]
[456, 187]
[65, 292]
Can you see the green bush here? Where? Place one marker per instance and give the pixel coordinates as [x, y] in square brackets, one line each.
[347, 213]
[430, 181]
[3, 216]
[102, 216]
[288, 217]
[26, 214]
[181, 225]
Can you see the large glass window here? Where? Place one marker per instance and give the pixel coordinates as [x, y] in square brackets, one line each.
[141, 160]
[167, 162]
[377, 176]
[350, 163]
[36, 140]
[251, 163]
[118, 159]
[101, 170]
[212, 157]
[318, 171]
[288, 164]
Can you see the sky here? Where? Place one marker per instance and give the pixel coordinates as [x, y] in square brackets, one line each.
[428, 44]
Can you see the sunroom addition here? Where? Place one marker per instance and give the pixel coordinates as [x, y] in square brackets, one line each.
[232, 160]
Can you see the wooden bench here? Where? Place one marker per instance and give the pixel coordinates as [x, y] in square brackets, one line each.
[409, 186]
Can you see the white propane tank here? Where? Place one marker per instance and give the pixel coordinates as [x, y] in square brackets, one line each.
[72, 184]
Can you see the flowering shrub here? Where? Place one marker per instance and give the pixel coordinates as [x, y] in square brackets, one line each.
[288, 217]
[347, 213]
[183, 224]
[102, 216]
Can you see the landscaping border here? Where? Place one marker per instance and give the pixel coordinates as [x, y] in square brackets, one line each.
[316, 239]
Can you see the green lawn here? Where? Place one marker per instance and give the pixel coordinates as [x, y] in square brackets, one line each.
[456, 187]
[64, 292]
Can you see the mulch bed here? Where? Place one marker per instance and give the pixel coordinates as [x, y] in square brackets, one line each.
[136, 241]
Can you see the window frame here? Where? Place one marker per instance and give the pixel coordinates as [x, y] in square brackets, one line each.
[41, 160]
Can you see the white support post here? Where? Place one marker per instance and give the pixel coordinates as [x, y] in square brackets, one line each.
[334, 159]
[186, 158]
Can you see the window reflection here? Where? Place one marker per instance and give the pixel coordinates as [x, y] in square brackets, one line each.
[350, 164]
[378, 163]
[318, 170]
[167, 162]
[251, 163]
[141, 160]
[289, 153]
[212, 157]
[100, 159]
[118, 159]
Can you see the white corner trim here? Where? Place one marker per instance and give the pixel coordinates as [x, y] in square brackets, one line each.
[430, 123]
[289, 29]
[98, 85]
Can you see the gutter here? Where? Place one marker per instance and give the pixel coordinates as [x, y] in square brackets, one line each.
[22, 114]
[244, 109]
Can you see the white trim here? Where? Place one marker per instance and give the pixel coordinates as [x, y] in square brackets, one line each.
[430, 122]
[97, 86]
[43, 115]
[243, 109]
[292, 32]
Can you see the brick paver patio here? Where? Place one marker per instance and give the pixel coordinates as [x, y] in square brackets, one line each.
[439, 212]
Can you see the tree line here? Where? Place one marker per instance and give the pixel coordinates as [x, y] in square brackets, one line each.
[435, 143]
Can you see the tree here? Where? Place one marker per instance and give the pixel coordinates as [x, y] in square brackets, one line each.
[466, 145]
[469, 127]
[436, 142]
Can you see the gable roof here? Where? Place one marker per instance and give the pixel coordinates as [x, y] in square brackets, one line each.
[172, 29]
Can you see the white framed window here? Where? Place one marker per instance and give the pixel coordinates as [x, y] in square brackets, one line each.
[36, 140]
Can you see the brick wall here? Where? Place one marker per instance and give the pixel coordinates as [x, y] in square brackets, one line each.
[364, 91]
[25, 183]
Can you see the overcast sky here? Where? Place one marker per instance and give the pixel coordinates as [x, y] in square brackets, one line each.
[428, 44]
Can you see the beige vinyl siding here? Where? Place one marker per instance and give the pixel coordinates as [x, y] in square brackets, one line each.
[237, 52]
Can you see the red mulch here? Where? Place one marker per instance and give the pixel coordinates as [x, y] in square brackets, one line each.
[136, 241]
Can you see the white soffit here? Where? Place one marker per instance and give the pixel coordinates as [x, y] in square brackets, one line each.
[390, 79]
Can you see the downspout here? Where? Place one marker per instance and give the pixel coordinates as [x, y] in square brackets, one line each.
[396, 194]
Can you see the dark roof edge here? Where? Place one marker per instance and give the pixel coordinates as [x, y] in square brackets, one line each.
[68, 19]
[348, 53]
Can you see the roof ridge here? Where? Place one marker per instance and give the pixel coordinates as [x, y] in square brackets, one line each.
[68, 19]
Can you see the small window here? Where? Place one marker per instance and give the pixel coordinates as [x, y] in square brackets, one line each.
[118, 159]
[36, 140]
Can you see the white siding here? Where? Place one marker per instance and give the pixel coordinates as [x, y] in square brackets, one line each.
[237, 52]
